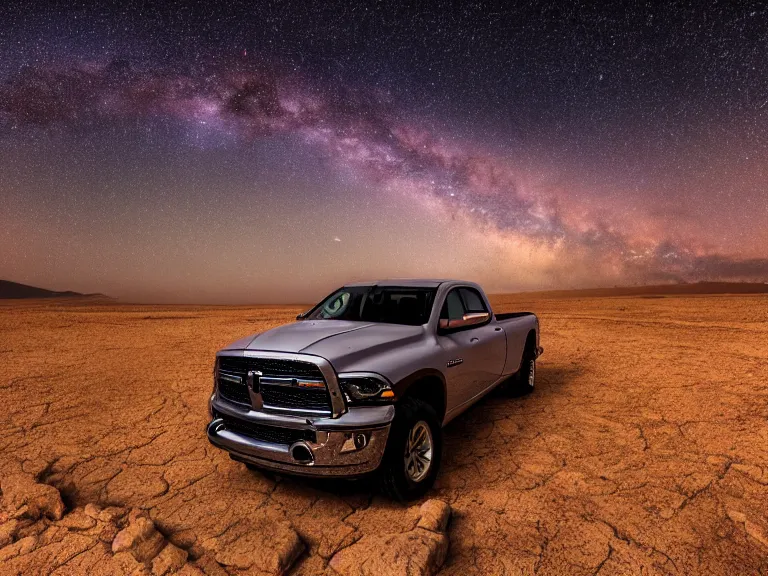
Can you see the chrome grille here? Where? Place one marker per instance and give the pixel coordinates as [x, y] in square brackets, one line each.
[295, 398]
[270, 367]
[287, 395]
[233, 388]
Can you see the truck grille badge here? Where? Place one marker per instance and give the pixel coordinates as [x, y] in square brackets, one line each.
[254, 390]
[253, 380]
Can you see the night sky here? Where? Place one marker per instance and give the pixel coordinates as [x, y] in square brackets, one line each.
[268, 152]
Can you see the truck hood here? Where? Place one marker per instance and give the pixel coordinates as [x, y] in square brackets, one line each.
[297, 336]
[331, 339]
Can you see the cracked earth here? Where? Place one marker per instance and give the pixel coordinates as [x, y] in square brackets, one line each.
[643, 450]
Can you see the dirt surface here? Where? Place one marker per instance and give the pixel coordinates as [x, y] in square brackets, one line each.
[644, 449]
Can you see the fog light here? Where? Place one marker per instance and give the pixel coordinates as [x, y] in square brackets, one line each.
[361, 440]
[356, 441]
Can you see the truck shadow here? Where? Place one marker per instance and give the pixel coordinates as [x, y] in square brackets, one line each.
[460, 435]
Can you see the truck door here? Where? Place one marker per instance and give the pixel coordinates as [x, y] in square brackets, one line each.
[474, 355]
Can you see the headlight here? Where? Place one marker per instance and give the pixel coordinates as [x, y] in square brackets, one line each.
[366, 388]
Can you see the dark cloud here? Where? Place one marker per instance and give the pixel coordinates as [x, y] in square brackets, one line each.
[714, 267]
[679, 265]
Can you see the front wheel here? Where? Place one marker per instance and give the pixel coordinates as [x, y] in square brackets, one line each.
[414, 448]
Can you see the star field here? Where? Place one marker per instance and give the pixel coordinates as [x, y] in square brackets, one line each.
[269, 151]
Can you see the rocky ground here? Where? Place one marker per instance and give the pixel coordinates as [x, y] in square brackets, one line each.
[644, 449]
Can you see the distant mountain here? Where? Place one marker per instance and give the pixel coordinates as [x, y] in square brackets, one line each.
[10, 289]
[663, 290]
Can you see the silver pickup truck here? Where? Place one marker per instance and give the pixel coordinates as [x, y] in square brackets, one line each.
[366, 379]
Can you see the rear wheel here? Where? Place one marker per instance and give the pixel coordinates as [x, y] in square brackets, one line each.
[525, 379]
[414, 448]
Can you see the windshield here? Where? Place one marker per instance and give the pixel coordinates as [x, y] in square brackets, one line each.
[391, 305]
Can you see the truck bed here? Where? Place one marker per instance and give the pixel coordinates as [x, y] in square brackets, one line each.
[509, 315]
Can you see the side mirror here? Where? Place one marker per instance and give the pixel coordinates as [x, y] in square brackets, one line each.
[469, 319]
[302, 315]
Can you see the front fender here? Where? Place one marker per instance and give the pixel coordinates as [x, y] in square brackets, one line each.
[401, 386]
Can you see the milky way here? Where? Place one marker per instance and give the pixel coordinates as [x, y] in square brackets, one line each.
[396, 147]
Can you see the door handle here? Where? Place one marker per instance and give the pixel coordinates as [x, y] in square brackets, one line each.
[474, 339]
[498, 328]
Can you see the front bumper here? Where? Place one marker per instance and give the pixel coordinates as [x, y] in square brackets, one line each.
[334, 452]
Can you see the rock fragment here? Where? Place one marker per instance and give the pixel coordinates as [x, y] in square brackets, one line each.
[77, 519]
[92, 511]
[434, 515]
[190, 570]
[140, 538]
[128, 564]
[111, 514]
[209, 566]
[24, 497]
[262, 547]
[8, 531]
[421, 550]
[170, 559]
[418, 551]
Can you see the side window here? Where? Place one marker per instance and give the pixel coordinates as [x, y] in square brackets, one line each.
[453, 309]
[472, 300]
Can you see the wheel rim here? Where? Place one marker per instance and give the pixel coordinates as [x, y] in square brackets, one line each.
[418, 451]
[531, 373]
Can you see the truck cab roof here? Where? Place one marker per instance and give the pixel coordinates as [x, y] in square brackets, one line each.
[410, 282]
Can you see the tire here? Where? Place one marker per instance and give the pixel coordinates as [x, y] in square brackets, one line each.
[525, 380]
[401, 476]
